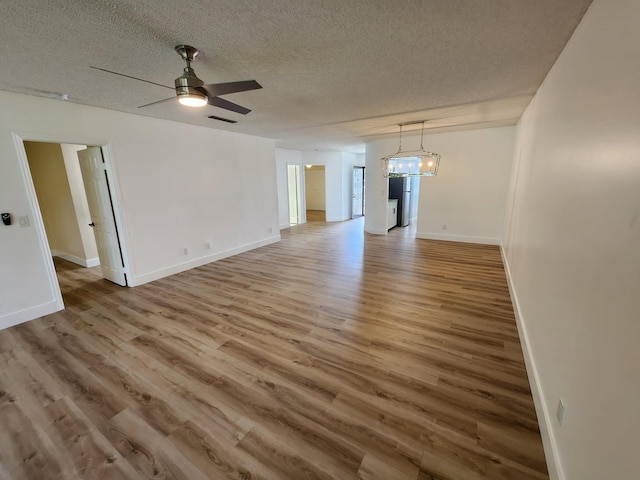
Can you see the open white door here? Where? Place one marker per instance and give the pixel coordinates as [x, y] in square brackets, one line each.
[357, 195]
[96, 184]
[293, 184]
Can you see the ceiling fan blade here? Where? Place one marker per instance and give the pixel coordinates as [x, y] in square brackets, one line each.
[217, 89]
[227, 105]
[159, 101]
[129, 76]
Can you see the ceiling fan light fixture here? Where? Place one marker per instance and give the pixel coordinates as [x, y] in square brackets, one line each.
[191, 97]
[193, 100]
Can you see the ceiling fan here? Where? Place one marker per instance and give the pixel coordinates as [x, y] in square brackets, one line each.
[193, 92]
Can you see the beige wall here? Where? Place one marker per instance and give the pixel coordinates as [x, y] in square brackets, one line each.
[315, 187]
[572, 242]
[49, 174]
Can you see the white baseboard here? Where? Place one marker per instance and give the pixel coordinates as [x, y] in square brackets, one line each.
[137, 280]
[544, 416]
[85, 262]
[458, 238]
[93, 262]
[375, 231]
[15, 318]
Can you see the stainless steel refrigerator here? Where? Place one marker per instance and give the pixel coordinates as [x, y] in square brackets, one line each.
[400, 188]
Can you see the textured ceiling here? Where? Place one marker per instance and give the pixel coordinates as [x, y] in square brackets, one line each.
[334, 73]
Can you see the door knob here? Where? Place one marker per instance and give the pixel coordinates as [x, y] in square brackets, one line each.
[92, 224]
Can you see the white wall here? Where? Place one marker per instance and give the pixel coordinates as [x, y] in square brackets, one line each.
[468, 195]
[338, 178]
[572, 244]
[377, 187]
[415, 197]
[180, 186]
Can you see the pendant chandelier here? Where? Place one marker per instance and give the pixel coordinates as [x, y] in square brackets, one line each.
[411, 163]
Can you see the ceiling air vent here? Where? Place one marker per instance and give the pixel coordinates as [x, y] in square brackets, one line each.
[222, 119]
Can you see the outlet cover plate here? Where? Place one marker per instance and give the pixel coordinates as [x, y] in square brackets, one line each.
[560, 411]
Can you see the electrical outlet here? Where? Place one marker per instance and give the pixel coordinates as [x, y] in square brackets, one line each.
[270, 230]
[560, 411]
[185, 251]
[23, 221]
[208, 245]
[444, 227]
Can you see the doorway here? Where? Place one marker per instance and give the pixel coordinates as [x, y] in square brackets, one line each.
[57, 180]
[357, 195]
[315, 193]
[66, 212]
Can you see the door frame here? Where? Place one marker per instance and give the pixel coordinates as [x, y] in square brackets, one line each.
[298, 193]
[37, 221]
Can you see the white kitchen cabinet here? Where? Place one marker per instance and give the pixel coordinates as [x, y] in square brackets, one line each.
[392, 213]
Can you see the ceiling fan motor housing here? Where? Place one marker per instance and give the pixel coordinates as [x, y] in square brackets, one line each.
[188, 83]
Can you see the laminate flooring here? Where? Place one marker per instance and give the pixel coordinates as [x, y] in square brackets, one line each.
[329, 355]
[316, 215]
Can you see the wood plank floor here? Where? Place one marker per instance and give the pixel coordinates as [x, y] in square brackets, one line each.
[329, 355]
[316, 215]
